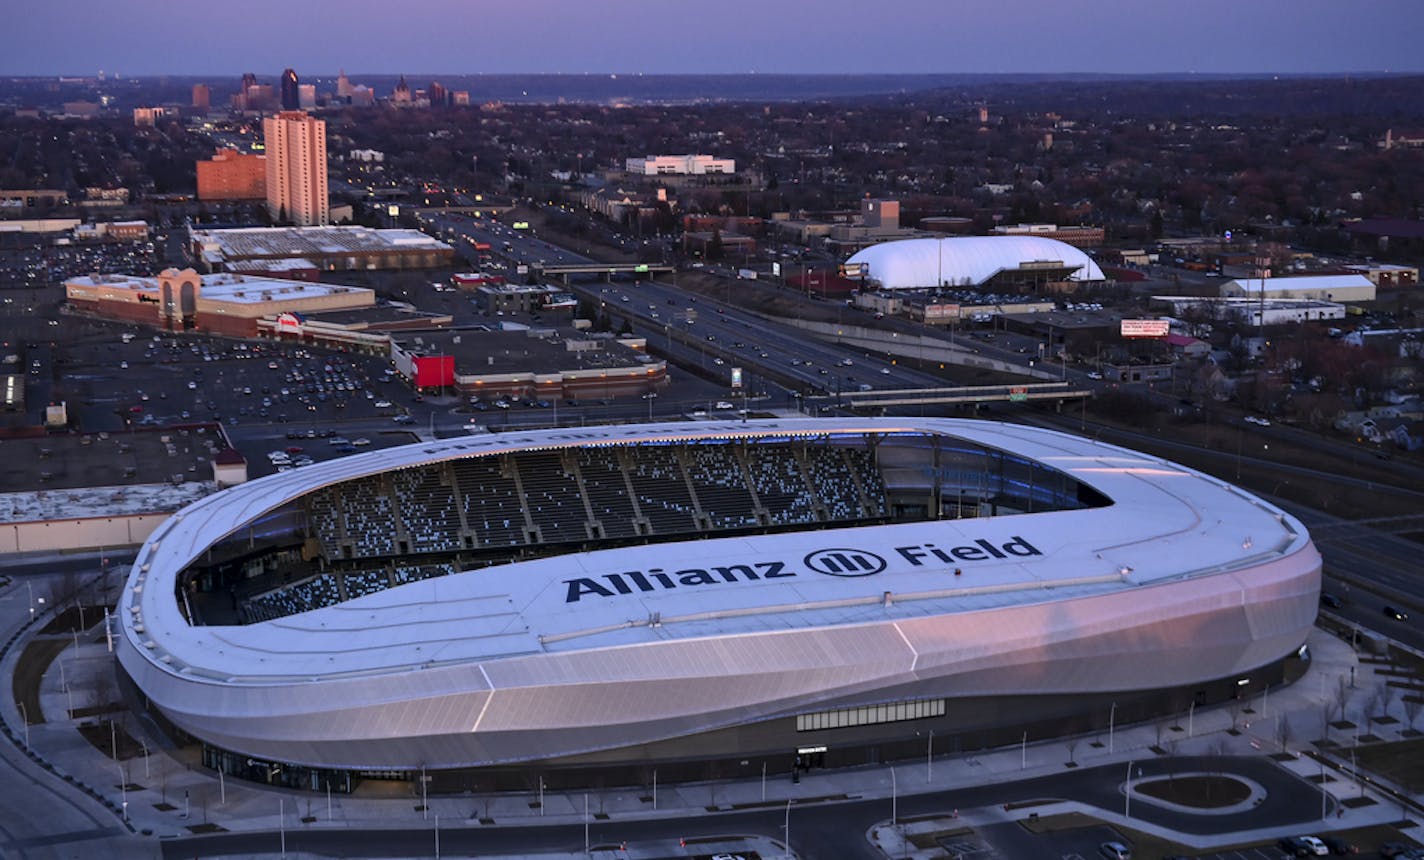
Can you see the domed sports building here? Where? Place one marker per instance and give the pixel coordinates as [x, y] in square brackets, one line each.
[974, 261]
[588, 605]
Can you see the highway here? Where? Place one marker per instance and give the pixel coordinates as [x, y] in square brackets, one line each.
[698, 332]
[1367, 568]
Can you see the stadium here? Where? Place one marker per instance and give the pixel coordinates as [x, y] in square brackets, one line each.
[974, 261]
[592, 605]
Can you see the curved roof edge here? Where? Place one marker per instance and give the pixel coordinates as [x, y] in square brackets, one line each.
[967, 260]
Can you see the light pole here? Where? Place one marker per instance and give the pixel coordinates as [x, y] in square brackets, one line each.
[929, 758]
[424, 795]
[1127, 802]
[786, 826]
[124, 791]
[894, 800]
[1112, 717]
[1191, 711]
[25, 718]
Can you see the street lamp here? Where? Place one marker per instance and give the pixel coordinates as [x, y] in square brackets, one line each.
[33, 600]
[1112, 716]
[786, 826]
[1127, 802]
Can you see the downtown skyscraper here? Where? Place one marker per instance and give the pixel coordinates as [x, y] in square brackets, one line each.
[290, 89]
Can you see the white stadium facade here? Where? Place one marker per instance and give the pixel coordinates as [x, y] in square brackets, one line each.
[583, 606]
[973, 261]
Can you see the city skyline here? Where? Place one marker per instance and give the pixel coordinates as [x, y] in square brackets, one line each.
[638, 37]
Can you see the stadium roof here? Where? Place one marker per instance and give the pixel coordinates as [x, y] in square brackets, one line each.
[912, 264]
[1302, 282]
[1166, 524]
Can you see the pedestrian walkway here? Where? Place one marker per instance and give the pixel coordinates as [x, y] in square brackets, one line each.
[166, 792]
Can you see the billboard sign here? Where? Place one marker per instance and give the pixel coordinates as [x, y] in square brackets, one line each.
[736, 377]
[1145, 328]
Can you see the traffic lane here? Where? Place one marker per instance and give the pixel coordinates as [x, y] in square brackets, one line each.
[1079, 843]
[1342, 559]
[1288, 801]
[814, 364]
[831, 831]
[567, 839]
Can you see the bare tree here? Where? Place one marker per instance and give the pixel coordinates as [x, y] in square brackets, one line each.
[1412, 706]
[1372, 710]
[1072, 744]
[1283, 733]
[1342, 695]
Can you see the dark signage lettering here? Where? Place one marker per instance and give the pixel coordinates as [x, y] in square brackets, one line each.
[838, 562]
[978, 551]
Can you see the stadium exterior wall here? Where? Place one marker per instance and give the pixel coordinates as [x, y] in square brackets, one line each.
[732, 691]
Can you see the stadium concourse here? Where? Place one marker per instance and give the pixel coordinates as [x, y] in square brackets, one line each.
[579, 606]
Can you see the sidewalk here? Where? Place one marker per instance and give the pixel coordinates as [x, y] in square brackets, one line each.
[168, 793]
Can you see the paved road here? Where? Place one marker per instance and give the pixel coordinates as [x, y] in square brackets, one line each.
[41, 816]
[830, 831]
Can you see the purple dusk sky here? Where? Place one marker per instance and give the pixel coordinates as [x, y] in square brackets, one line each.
[150, 37]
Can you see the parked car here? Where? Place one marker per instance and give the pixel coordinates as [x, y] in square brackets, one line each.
[1115, 851]
[1302, 846]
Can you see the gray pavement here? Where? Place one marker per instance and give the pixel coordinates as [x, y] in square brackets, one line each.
[70, 796]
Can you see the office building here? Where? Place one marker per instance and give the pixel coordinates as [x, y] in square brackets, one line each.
[291, 100]
[232, 175]
[296, 168]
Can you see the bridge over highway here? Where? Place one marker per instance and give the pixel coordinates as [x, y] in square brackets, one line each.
[593, 268]
[963, 394]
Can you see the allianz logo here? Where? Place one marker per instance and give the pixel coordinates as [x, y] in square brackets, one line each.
[838, 562]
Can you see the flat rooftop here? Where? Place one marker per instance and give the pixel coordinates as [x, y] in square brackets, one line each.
[227, 287]
[93, 474]
[519, 351]
[257, 242]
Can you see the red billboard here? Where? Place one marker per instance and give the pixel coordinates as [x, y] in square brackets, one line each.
[434, 371]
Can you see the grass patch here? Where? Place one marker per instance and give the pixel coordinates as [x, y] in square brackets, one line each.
[1056, 823]
[1401, 762]
[74, 619]
[1027, 804]
[1197, 792]
[111, 739]
[30, 668]
[926, 841]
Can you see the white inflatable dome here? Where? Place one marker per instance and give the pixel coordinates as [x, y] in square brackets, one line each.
[917, 264]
